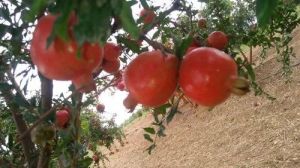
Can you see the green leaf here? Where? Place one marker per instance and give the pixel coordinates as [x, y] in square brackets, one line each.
[172, 112]
[4, 13]
[5, 86]
[148, 137]
[162, 109]
[35, 9]
[116, 6]
[182, 45]
[20, 101]
[144, 4]
[150, 130]
[3, 30]
[94, 23]
[131, 44]
[127, 20]
[150, 148]
[264, 11]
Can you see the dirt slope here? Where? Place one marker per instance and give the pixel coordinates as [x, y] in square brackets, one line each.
[244, 132]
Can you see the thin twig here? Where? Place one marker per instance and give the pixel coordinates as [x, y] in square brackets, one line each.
[156, 45]
[244, 56]
[15, 84]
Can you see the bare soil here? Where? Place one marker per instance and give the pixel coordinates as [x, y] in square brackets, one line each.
[244, 132]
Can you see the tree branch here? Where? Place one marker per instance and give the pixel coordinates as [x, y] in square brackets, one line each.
[27, 144]
[46, 103]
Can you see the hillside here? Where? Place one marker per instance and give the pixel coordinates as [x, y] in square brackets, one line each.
[244, 132]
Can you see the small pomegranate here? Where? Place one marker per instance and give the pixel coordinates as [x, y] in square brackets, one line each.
[100, 108]
[130, 103]
[62, 118]
[111, 51]
[148, 16]
[217, 39]
[121, 85]
[202, 23]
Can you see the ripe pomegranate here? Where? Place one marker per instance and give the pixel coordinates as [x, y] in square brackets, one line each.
[129, 102]
[111, 51]
[148, 16]
[217, 39]
[60, 61]
[111, 66]
[62, 118]
[100, 108]
[202, 23]
[207, 76]
[151, 77]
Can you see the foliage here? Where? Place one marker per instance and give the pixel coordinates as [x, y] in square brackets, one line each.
[27, 114]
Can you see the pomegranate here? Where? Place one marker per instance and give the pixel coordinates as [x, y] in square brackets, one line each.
[59, 61]
[148, 16]
[207, 76]
[217, 39]
[111, 51]
[151, 77]
[62, 118]
[111, 66]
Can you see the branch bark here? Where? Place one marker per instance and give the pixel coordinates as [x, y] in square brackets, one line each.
[46, 103]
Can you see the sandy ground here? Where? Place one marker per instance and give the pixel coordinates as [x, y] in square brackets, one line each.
[243, 132]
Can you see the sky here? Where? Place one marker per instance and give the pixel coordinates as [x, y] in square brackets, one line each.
[113, 103]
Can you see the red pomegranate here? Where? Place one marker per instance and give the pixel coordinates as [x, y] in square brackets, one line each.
[207, 76]
[111, 51]
[62, 118]
[148, 15]
[217, 39]
[151, 78]
[60, 60]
